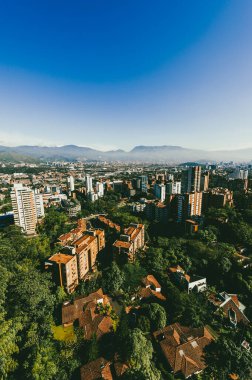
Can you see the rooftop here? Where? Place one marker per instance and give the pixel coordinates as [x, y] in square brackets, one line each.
[61, 258]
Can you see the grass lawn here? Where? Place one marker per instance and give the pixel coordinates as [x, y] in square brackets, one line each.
[63, 333]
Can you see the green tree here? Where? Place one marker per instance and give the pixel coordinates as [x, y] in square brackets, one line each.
[139, 353]
[112, 279]
[8, 345]
[226, 355]
[156, 314]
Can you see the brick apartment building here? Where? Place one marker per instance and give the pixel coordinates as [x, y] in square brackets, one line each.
[130, 241]
[65, 270]
[77, 258]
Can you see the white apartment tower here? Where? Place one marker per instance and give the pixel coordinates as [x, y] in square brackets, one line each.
[173, 187]
[70, 181]
[24, 208]
[39, 205]
[100, 189]
[89, 184]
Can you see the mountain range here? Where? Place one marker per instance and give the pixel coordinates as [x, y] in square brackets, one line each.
[156, 154]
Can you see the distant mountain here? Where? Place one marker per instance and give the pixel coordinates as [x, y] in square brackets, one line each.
[156, 154]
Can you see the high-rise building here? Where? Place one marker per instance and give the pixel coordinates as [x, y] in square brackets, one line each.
[70, 181]
[188, 205]
[24, 208]
[39, 205]
[143, 183]
[89, 184]
[159, 191]
[191, 179]
[173, 188]
[240, 174]
[100, 189]
[204, 181]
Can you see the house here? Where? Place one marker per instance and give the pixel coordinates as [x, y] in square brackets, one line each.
[195, 283]
[96, 370]
[103, 369]
[85, 310]
[231, 307]
[150, 289]
[130, 241]
[183, 348]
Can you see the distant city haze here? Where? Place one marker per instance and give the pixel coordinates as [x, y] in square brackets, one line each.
[114, 75]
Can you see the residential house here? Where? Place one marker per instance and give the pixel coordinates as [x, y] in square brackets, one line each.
[96, 370]
[150, 289]
[183, 348]
[231, 307]
[85, 310]
[191, 283]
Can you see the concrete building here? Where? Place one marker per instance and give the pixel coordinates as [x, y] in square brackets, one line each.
[191, 179]
[204, 181]
[239, 174]
[143, 183]
[100, 189]
[70, 181]
[188, 205]
[39, 205]
[173, 187]
[24, 208]
[89, 184]
[159, 191]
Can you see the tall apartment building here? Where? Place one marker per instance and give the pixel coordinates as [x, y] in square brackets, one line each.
[143, 183]
[188, 205]
[240, 174]
[159, 191]
[39, 205]
[100, 189]
[130, 241]
[64, 269]
[204, 181]
[70, 181]
[24, 208]
[173, 187]
[89, 184]
[191, 179]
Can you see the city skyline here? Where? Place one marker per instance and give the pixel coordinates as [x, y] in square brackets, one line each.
[112, 76]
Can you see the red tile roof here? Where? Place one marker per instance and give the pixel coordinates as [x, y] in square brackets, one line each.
[96, 370]
[183, 347]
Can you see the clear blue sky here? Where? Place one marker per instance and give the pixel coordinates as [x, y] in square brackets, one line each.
[115, 74]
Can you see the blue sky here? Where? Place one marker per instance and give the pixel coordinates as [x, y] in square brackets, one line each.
[115, 74]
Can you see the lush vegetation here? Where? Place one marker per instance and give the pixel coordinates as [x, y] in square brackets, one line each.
[33, 344]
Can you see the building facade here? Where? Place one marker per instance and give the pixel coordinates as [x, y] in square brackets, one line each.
[24, 208]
